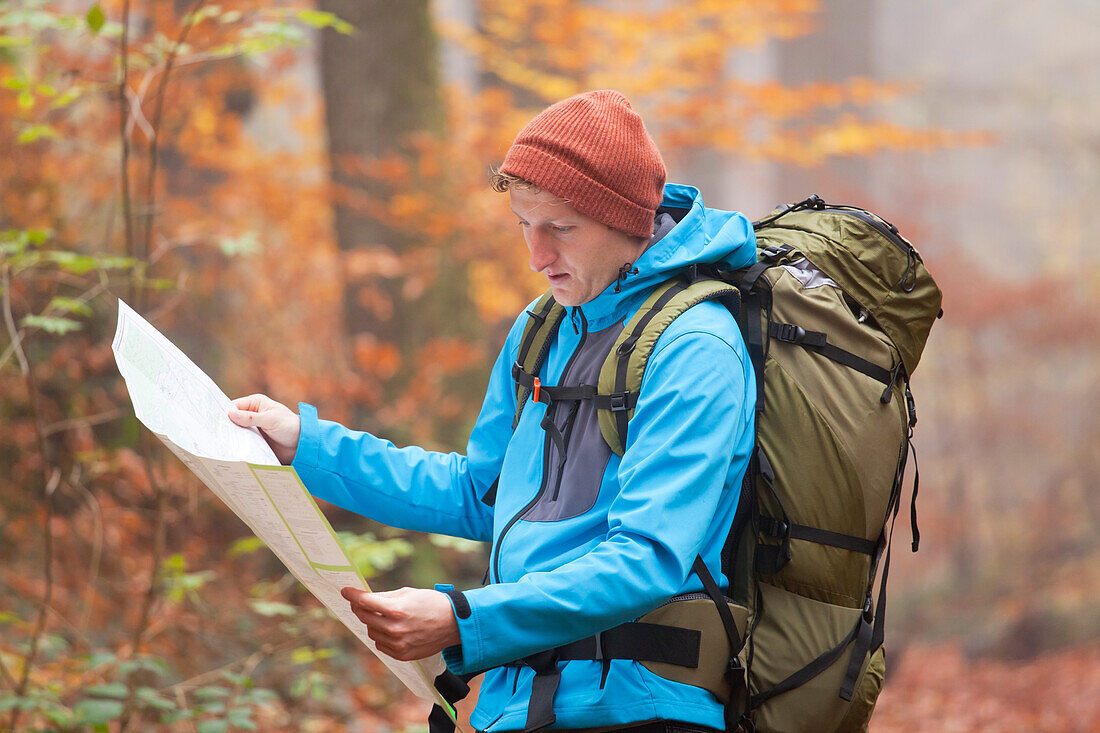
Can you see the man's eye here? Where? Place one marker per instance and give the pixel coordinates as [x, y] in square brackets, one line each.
[561, 228]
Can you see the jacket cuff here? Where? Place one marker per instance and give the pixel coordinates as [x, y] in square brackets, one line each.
[462, 658]
[309, 437]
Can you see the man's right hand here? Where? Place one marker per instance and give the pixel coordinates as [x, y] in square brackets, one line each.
[277, 423]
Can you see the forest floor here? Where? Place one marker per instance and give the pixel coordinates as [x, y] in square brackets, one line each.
[938, 688]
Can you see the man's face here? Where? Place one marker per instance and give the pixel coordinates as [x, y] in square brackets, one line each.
[578, 255]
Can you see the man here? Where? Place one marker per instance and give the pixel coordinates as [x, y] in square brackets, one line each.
[583, 539]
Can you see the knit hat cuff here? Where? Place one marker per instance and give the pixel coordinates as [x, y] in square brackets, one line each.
[584, 194]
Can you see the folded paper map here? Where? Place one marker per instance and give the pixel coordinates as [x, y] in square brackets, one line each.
[183, 407]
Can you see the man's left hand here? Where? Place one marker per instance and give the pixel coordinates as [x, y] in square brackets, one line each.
[406, 624]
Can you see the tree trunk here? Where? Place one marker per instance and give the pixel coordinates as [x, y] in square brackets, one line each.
[380, 83]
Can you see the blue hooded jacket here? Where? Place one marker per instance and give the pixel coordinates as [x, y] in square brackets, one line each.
[589, 540]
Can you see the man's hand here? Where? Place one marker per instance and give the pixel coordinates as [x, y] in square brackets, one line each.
[279, 424]
[406, 624]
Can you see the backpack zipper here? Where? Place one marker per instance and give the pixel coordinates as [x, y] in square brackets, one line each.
[884, 227]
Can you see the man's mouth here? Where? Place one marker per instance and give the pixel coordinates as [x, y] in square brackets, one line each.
[560, 277]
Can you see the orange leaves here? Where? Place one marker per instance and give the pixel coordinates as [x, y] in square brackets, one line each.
[380, 360]
[938, 688]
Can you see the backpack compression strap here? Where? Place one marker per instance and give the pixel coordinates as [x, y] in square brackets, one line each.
[542, 326]
[622, 371]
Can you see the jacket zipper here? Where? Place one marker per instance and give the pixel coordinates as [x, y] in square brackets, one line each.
[545, 450]
[570, 421]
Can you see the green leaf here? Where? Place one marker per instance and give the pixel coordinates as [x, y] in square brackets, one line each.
[273, 608]
[13, 41]
[97, 658]
[35, 132]
[67, 97]
[70, 305]
[176, 716]
[241, 718]
[321, 19]
[211, 693]
[97, 712]
[244, 546]
[213, 726]
[117, 263]
[25, 100]
[15, 83]
[111, 689]
[153, 699]
[50, 324]
[74, 262]
[147, 664]
[95, 18]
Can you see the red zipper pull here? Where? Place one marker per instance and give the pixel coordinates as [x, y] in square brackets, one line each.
[538, 386]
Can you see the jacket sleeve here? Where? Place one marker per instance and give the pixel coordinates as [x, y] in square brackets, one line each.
[687, 446]
[410, 487]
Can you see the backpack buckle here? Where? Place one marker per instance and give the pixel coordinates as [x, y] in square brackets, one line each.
[618, 401]
[789, 333]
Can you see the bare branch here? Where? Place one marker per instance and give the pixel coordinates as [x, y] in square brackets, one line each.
[78, 422]
[15, 347]
[158, 115]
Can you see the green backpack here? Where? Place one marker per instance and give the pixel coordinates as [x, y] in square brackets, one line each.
[835, 315]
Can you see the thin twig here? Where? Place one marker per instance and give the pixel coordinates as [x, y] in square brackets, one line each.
[158, 115]
[79, 422]
[16, 335]
[52, 479]
[160, 525]
[97, 546]
[124, 118]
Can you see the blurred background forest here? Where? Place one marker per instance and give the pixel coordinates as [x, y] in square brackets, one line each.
[295, 194]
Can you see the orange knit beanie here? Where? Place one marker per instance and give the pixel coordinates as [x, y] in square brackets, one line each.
[593, 150]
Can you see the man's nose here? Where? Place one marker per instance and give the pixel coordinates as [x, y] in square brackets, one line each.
[542, 253]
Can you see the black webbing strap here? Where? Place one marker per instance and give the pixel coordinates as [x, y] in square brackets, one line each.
[818, 341]
[733, 667]
[749, 319]
[453, 688]
[778, 528]
[638, 641]
[617, 401]
[627, 346]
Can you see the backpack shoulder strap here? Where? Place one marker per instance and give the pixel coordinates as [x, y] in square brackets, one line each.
[542, 325]
[622, 371]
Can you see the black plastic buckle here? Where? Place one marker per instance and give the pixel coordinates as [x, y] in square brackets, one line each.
[774, 251]
[734, 668]
[774, 527]
[789, 333]
[618, 401]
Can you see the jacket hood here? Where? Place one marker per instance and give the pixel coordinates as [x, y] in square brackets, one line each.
[699, 236]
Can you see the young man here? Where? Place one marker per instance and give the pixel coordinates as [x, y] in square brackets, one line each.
[583, 539]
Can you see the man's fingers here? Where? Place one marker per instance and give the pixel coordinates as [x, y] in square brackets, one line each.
[252, 411]
[368, 602]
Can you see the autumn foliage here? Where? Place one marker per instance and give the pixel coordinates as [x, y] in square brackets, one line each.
[172, 154]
